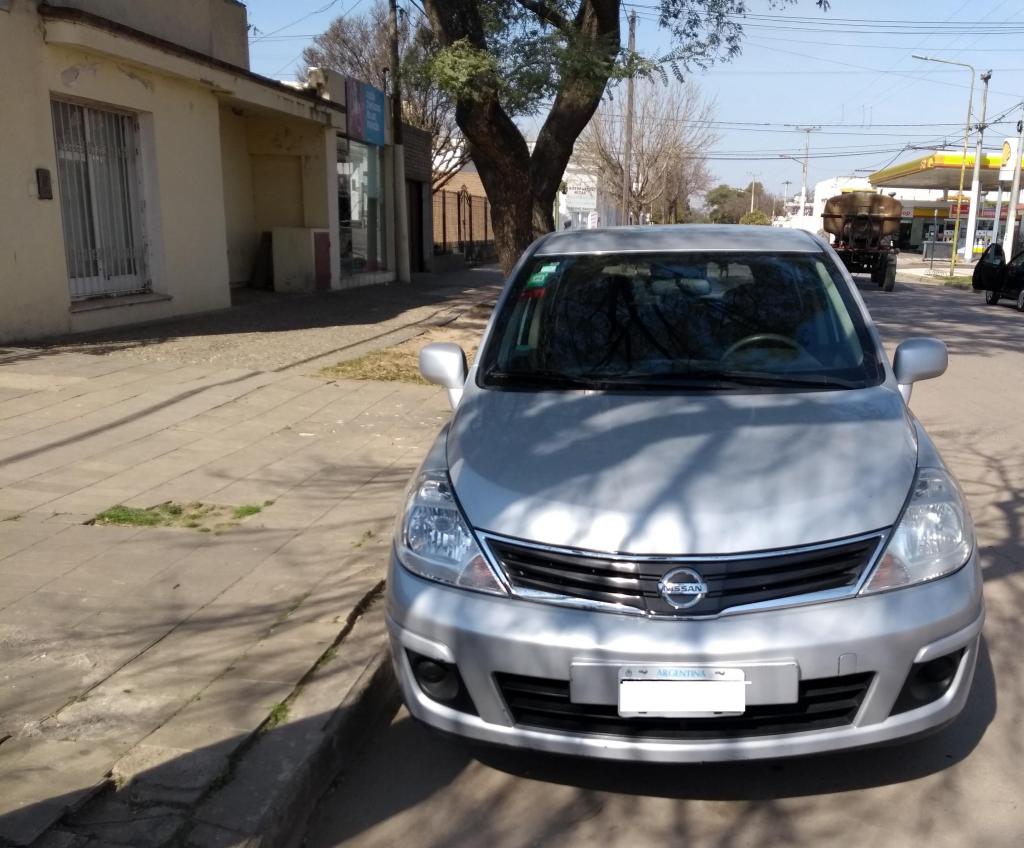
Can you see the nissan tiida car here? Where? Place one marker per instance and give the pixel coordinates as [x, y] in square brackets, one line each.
[682, 512]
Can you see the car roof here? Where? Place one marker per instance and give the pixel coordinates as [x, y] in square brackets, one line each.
[678, 237]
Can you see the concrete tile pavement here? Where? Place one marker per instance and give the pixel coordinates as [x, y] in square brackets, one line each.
[128, 648]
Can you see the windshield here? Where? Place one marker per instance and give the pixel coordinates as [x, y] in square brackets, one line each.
[714, 321]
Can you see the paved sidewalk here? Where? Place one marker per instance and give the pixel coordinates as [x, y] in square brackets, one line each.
[149, 656]
[913, 269]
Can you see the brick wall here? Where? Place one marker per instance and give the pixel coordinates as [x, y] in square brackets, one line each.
[470, 180]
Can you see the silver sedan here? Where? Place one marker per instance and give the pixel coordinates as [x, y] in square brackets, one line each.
[682, 512]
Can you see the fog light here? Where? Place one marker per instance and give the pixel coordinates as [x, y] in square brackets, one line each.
[441, 682]
[928, 681]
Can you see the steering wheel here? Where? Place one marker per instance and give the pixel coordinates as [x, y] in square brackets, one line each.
[759, 339]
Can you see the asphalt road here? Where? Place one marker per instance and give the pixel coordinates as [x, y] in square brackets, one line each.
[962, 787]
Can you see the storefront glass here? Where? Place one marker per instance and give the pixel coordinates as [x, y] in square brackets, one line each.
[360, 208]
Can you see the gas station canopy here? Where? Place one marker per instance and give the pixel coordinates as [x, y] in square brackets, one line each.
[939, 170]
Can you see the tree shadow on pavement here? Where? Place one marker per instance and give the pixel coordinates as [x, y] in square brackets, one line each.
[959, 318]
[501, 796]
[268, 312]
[240, 786]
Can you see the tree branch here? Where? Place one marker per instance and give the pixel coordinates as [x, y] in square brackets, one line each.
[547, 14]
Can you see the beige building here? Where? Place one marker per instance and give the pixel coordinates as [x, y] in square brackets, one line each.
[144, 170]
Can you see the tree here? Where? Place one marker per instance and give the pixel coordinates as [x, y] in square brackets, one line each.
[671, 131]
[756, 217]
[728, 205]
[503, 58]
[357, 47]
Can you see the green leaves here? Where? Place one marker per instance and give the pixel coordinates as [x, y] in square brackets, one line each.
[756, 217]
[464, 71]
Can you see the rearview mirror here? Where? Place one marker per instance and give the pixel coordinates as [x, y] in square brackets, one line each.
[918, 359]
[444, 363]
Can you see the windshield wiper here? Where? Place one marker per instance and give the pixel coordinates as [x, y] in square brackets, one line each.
[540, 379]
[732, 379]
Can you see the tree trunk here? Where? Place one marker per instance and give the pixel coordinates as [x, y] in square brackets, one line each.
[522, 187]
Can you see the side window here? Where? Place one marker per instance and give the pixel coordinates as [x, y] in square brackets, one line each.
[993, 255]
[1017, 261]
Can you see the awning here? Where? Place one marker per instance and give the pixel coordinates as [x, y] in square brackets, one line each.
[939, 170]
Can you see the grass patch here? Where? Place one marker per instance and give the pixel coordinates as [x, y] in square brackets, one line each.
[129, 516]
[395, 364]
[401, 363]
[957, 281]
[278, 715]
[193, 516]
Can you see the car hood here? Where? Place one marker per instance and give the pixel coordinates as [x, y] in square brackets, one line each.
[681, 474]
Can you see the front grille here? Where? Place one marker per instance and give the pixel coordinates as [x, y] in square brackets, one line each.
[544, 704]
[732, 582]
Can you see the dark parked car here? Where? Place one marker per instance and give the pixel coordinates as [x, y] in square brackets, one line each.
[999, 278]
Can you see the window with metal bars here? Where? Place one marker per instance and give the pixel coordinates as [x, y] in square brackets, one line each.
[100, 198]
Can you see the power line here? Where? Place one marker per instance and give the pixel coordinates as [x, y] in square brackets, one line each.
[296, 21]
[298, 56]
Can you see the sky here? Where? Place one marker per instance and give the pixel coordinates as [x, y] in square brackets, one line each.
[848, 71]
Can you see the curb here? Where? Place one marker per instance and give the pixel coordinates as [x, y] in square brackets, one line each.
[374, 697]
[285, 781]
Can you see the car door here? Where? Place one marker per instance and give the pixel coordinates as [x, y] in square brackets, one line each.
[1013, 281]
[989, 271]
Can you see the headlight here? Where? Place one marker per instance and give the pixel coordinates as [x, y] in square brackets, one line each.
[935, 536]
[434, 540]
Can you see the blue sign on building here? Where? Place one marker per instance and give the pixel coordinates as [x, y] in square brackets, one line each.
[374, 115]
[365, 109]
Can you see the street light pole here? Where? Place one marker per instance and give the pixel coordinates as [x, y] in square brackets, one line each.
[975, 210]
[1011, 208]
[963, 162]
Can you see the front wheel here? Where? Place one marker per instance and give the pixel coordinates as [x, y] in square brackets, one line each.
[1020, 301]
[991, 298]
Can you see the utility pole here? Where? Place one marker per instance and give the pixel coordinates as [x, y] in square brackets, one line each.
[402, 272]
[627, 144]
[785, 197]
[974, 211]
[807, 152]
[753, 188]
[1011, 207]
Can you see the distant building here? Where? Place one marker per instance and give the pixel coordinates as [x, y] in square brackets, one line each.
[586, 201]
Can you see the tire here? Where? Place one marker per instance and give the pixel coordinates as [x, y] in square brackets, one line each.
[991, 298]
[889, 280]
[1020, 301]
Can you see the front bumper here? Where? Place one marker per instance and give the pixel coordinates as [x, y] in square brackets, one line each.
[884, 634]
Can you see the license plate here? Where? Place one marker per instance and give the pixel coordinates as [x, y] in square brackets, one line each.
[681, 692]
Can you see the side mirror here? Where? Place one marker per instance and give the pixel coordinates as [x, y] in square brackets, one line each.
[918, 359]
[444, 363]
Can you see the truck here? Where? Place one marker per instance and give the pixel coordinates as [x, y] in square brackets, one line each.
[863, 224]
